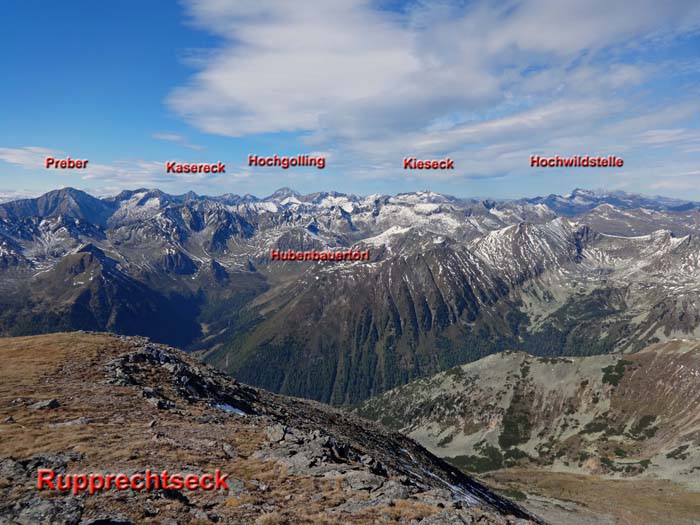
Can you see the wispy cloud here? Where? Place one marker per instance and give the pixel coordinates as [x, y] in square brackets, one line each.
[120, 173]
[346, 69]
[486, 83]
[137, 173]
[13, 195]
[676, 136]
[178, 139]
[29, 157]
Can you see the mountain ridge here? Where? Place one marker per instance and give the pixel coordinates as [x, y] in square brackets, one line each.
[46, 204]
[124, 404]
[615, 415]
[448, 281]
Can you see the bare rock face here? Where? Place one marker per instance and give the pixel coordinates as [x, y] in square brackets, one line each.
[46, 404]
[288, 460]
[32, 508]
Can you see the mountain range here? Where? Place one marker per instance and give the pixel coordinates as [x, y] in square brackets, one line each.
[449, 280]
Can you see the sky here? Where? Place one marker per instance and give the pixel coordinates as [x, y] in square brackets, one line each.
[131, 85]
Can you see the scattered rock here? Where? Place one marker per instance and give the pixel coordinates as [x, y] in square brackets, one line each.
[393, 490]
[434, 497]
[9, 419]
[449, 518]
[175, 495]
[34, 510]
[149, 392]
[209, 420]
[107, 520]
[276, 433]
[236, 487]
[21, 470]
[71, 423]
[159, 403]
[201, 515]
[352, 506]
[229, 451]
[149, 510]
[362, 480]
[46, 404]
[379, 469]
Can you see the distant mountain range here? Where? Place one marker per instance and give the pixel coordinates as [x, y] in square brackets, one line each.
[449, 280]
[580, 201]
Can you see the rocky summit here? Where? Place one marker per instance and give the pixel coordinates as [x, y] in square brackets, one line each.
[87, 403]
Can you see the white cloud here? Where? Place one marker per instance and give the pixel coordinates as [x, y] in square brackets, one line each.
[666, 137]
[13, 195]
[555, 117]
[344, 70]
[134, 173]
[569, 27]
[121, 173]
[29, 157]
[315, 66]
[683, 179]
[178, 139]
[141, 173]
[484, 83]
[170, 137]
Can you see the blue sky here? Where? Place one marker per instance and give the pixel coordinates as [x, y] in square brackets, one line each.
[130, 85]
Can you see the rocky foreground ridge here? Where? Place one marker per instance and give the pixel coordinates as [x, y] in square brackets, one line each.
[98, 403]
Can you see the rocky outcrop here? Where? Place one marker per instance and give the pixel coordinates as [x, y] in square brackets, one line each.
[289, 460]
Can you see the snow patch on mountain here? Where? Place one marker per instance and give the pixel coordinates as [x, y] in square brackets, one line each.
[386, 236]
